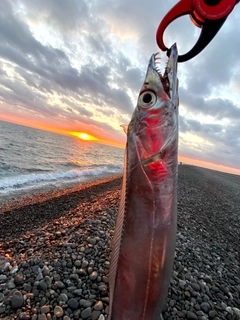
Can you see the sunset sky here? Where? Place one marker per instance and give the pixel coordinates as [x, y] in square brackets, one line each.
[78, 65]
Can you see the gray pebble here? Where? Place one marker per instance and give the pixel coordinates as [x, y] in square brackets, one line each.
[195, 286]
[27, 287]
[17, 300]
[205, 307]
[39, 276]
[48, 280]
[77, 263]
[95, 314]
[191, 316]
[11, 284]
[45, 271]
[60, 284]
[43, 302]
[102, 287]
[82, 272]
[43, 285]
[74, 276]
[98, 306]
[45, 309]
[237, 312]
[42, 317]
[3, 277]
[85, 303]
[93, 276]
[2, 310]
[18, 280]
[58, 311]
[73, 304]
[63, 297]
[84, 263]
[56, 277]
[212, 313]
[77, 292]
[86, 313]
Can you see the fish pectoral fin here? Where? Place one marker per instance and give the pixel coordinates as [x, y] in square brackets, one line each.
[154, 158]
[125, 127]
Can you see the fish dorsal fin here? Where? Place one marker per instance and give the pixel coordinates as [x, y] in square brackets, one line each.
[125, 127]
[116, 242]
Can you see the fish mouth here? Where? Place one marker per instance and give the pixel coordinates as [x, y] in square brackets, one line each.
[169, 77]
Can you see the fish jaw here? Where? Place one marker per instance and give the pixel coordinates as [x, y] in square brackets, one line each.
[144, 239]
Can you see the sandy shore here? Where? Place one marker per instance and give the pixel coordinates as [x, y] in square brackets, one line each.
[55, 250]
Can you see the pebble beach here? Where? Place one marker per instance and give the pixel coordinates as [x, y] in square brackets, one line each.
[55, 251]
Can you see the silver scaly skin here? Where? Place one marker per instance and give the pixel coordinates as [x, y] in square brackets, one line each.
[144, 239]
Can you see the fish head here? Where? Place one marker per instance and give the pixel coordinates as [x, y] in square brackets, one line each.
[153, 127]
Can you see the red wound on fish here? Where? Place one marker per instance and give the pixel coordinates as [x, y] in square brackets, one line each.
[158, 170]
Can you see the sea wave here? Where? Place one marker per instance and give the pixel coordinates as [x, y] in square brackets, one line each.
[38, 180]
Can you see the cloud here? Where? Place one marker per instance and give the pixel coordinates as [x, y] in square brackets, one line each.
[211, 142]
[81, 64]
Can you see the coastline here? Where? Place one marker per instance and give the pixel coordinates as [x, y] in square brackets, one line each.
[55, 250]
[40, 194]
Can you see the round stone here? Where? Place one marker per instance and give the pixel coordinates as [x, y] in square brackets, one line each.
[81, 272]
[237, 312]
[11, 284]
[18, 280]
[86, 313]
[48, 280]
[84, 263]
[98, 306]
[196, 286]
[43, 285]
[60, 284]
[191, 315]
[93, 276]
[73, 304]
[45, 309]
[42, 317]
[3, 277]
[77, 263]
[58, 311]
[63, 297]
[205, 307]
[17, 300]
[95, 314]
[212, 313]
[45, 271]
[85, 303]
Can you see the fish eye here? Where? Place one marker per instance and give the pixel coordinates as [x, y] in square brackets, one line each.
[147, 99]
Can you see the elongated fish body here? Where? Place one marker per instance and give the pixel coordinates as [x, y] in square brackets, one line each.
[144, 239]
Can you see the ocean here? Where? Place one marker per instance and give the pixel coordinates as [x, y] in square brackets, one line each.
[36, 161]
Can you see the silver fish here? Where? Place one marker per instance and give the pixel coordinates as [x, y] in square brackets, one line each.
[144, 239]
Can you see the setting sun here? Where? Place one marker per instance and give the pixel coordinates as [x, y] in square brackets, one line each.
[84, 136]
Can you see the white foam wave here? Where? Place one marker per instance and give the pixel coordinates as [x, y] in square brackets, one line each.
[38, 180]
